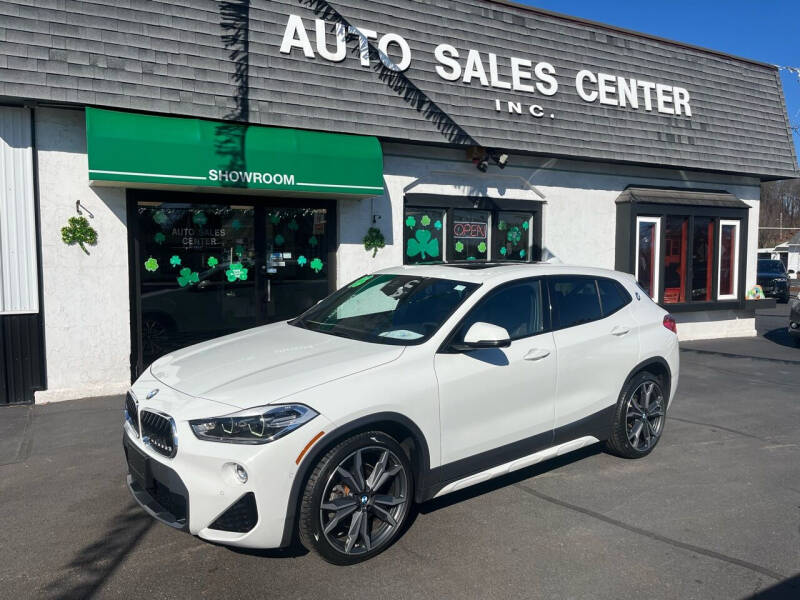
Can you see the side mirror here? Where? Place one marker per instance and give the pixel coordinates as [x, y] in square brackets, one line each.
[791, 271]
[486, 335]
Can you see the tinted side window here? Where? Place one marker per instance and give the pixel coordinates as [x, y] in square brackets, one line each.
[516, 308]
[612, 296]
[574, 301]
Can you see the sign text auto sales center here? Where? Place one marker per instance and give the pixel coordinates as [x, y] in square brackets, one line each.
[279, 132]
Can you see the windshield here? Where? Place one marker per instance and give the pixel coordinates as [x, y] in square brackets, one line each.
[771, 267]
[388, 309]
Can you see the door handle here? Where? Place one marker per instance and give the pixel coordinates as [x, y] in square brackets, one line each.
[620, 330]
[536, 354]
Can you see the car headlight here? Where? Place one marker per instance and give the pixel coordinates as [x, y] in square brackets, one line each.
[258, 425]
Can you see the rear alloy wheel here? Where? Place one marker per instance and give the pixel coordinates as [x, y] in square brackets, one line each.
[357, 500]
[639, 417]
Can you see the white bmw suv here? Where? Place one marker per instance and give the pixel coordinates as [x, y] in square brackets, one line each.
[404, 385]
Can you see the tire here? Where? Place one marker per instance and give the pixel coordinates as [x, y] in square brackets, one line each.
[634, 408]
[366, 511]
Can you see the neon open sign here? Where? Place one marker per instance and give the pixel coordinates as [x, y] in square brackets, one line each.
[469, 230]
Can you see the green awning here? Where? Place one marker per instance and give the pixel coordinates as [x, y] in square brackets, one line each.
[146, 149]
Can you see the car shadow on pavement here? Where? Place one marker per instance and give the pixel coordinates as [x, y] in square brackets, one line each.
[783, 590]
[781, 337]
[295, 550]
[92, 566]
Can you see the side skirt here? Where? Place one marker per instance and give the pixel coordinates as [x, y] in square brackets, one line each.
[520, 463]
[492, 463]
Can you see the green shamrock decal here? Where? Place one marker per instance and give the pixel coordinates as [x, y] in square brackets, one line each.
[438, 225]
[160, 217]
[425, 220]
[522, 253]
[293, 226]
[212, 261]
[312, 241]
[187, 277]
[502, 226]
[151, 264]
[236, 271]
[361, 281]
[160, 238]
[279, 240]
[459, 247]
[411, 222]
[423, 245]
[275, 219]
[301, 261]
[482, 247]
[200, 218]
[316, 265]
[236, 224]
[514, 235]
[503, 251]
[525, 225]
[175, 260]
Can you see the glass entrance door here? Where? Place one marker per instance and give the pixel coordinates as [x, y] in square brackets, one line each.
[203, 270]
[296, 269]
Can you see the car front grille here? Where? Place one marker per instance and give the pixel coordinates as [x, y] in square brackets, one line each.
[132, 412]
[157, 432]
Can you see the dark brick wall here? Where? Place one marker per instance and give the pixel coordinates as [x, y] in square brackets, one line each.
[169, 57]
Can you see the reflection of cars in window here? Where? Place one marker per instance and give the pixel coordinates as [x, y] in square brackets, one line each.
[174, 316]
[773, 279]
[405, 385]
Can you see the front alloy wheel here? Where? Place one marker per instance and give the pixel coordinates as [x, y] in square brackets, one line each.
[357, 499]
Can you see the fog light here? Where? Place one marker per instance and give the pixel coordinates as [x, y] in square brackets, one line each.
[793, 325]
[240, 473]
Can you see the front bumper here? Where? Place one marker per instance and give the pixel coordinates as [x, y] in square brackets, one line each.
[775, 288]
[197, 491]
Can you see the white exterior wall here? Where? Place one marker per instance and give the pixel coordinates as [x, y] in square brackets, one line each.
[86, 298]
[579, 213]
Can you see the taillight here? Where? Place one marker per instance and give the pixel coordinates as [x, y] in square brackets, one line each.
[669, 323]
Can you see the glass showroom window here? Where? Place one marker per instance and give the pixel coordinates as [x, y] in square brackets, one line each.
[676, 235]
[423, 237]
[468, 234]
[702, 258]
[648, 241]
[728, 268]
[456, 234]
[511, 236]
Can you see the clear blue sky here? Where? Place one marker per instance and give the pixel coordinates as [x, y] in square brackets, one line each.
[765, 30]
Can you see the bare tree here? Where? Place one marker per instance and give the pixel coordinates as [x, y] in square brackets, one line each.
[780, 208]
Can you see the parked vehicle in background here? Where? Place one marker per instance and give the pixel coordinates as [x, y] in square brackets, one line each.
[403, 386]
[773, 279]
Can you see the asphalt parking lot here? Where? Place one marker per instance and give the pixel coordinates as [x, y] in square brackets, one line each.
[714, 512]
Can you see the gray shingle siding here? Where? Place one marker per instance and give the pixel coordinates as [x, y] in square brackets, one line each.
[168, 56]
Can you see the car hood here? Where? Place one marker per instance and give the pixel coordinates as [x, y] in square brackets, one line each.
[263, 365]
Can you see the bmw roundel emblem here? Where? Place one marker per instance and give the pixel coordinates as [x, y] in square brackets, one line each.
[151, 393]
[364, 499]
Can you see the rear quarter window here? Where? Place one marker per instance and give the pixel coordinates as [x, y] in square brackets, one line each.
[613, 296]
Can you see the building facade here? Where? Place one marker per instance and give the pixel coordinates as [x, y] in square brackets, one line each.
[174, 171]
